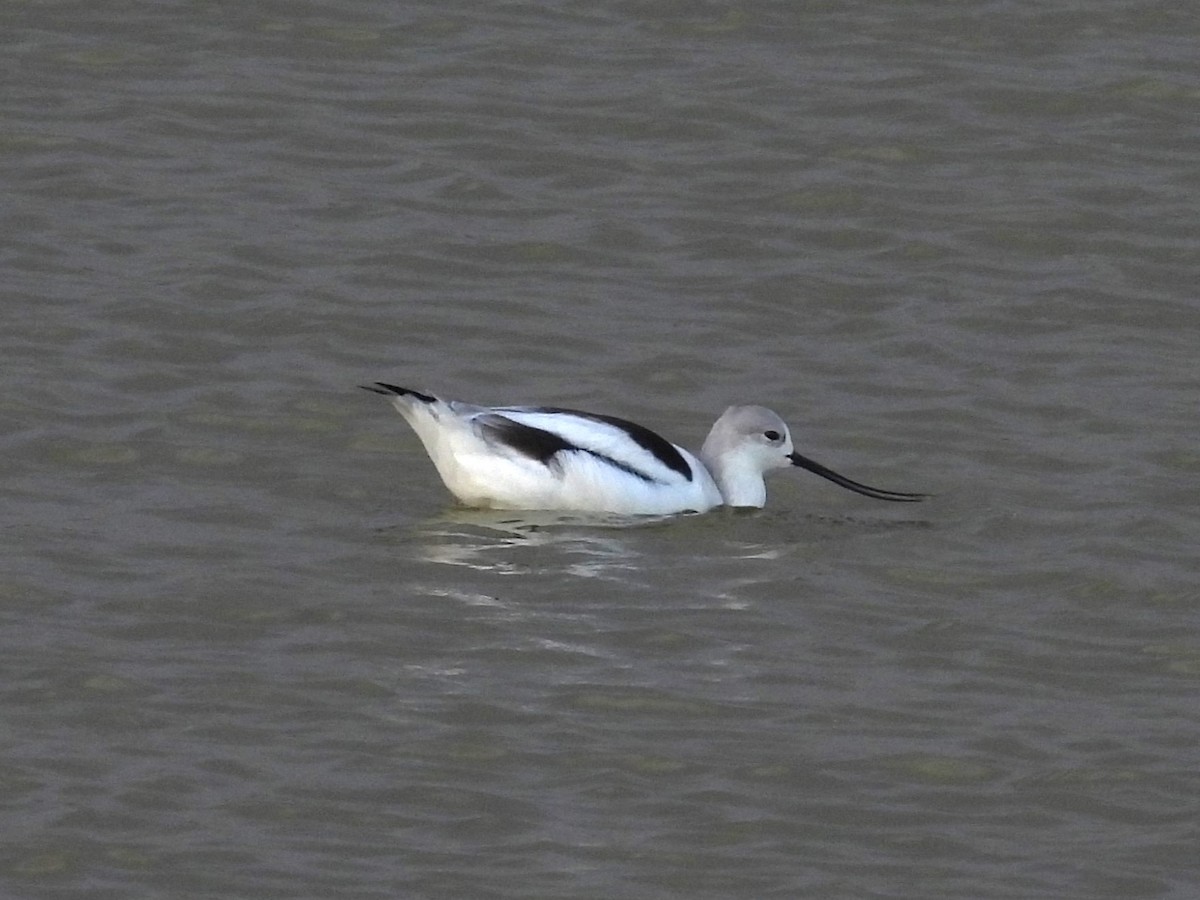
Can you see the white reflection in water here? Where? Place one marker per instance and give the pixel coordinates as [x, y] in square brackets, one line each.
[520, 543]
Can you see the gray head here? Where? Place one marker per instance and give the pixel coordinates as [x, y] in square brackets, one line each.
[754, 432]
[743, 444]
[748, 441]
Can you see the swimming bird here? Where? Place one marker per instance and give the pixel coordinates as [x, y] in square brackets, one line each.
[547, 458]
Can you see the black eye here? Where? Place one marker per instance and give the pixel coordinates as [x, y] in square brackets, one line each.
[771, 435]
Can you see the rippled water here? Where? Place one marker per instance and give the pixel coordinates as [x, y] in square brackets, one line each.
[250, 649]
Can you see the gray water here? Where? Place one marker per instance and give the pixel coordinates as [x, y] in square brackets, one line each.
[251, 649]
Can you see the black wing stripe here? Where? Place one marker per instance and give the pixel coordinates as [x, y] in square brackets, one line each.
[536, 443]
[659, 447]
[542, 445]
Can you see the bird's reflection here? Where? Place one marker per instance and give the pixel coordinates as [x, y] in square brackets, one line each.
[518, 543]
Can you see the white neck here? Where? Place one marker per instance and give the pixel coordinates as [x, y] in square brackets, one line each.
[740, 481]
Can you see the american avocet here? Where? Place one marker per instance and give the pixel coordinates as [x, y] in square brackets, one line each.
[538, 457]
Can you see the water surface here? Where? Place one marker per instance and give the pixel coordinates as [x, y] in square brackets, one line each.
[250, 647]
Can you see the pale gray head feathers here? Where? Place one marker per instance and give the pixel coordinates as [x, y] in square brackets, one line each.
[745, 443]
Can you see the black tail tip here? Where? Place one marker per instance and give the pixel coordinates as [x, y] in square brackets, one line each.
[380, 387]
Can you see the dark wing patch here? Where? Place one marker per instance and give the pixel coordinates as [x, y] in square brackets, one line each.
[662, 449]
[536, 443]
[542, 445]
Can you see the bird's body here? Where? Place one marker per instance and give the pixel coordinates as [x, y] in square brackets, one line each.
[524, 457]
